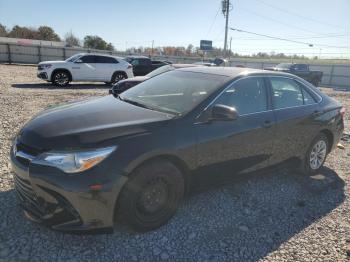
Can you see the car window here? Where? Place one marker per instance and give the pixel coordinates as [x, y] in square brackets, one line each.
[88, 59]
[300, 67]
[246, 96]
[106, 60]
[286, 93]
[160, 70]
[175, 91]
[308, 99]
[144, 62]
[135, 62]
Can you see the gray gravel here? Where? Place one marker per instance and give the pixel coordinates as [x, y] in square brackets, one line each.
[272, 216]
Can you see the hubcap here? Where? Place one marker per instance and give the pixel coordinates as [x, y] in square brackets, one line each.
[61, 78]
[318, 154]
[154, 197]
[119, 77]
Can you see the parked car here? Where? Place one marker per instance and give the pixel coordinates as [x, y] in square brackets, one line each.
[85, 67]
[205, 63]
[142, 65]
[126, 84]
[301, 70]
[131, 158]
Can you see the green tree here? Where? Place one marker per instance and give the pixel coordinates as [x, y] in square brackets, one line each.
[72, 40]
[96, 42]
[23, 32]
[110, 47]
[48, 34]
[3, 31]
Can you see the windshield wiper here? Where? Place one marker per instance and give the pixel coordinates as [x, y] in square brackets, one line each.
[135, 103]
[155, 108]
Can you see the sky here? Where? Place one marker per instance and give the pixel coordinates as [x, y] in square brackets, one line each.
[134, 23]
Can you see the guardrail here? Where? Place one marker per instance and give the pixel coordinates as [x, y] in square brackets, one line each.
[334, 75]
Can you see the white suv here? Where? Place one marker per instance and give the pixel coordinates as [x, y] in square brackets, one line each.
[85, 67]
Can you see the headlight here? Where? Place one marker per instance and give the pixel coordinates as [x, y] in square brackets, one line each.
[45, 66]
[74, 162]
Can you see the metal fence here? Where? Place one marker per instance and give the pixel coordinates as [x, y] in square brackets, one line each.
[334, 75]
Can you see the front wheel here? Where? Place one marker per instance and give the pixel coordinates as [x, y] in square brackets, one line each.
[151, 196]
[60, 78]
[316, 155]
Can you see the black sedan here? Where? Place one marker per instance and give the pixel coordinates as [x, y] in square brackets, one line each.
[126, 84]
[131, 158]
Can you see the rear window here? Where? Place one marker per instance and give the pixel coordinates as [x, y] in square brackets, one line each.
[106, 60]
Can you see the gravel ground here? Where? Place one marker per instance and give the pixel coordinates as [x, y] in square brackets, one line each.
[271, 216]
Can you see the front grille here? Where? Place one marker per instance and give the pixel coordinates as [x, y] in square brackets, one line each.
[28, 149]
[40, 67]
[27, 196]
[24, 153]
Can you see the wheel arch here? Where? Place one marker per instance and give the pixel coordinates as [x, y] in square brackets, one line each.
[119, 71]
[175, 160]
[61, 69]
[330, 138]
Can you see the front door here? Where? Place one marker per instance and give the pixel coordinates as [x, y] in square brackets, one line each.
[240, 145]
[85, 68]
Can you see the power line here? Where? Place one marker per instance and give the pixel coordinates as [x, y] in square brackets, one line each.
[288, 40]
[303, 37]
[277, 21]
[278, 38]
[212, 24]
[300, 16]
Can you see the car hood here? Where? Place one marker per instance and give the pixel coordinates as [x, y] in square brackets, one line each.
[52, 62]
[136, 78]
[84, 123]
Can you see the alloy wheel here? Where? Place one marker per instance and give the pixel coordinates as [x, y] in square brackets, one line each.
[318, 154]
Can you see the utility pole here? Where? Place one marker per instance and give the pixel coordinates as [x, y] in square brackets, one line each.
[152, 47]
[229, 57]
[225, 6]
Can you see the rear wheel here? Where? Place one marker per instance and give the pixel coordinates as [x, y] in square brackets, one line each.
[316, 155]
[60, 78]
[117, 76]
[151, 196]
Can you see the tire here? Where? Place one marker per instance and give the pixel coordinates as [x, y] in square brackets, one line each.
[315, 156]
[117, 76]
[60, 78]
[151, 196]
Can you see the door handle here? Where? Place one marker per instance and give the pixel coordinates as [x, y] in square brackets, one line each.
[267, 124]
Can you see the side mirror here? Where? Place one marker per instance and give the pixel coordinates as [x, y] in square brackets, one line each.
[223, 113]
[78, 61]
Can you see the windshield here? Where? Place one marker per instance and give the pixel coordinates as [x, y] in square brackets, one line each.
[160, 70]
[174, 92]
[283, 65]
[73, 58]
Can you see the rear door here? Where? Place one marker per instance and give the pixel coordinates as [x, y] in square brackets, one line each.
[105, 67]
[85, 68]
[244, 144]
[295, 109]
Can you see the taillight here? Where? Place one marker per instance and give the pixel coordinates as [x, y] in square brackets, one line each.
[129, 66]
[342, 111]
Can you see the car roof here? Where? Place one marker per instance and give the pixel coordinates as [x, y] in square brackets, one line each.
[183, 65]
[233, 72]
[100, 54]
[136, 56]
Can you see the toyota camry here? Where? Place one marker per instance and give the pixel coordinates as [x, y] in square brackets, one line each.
[130, 159]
